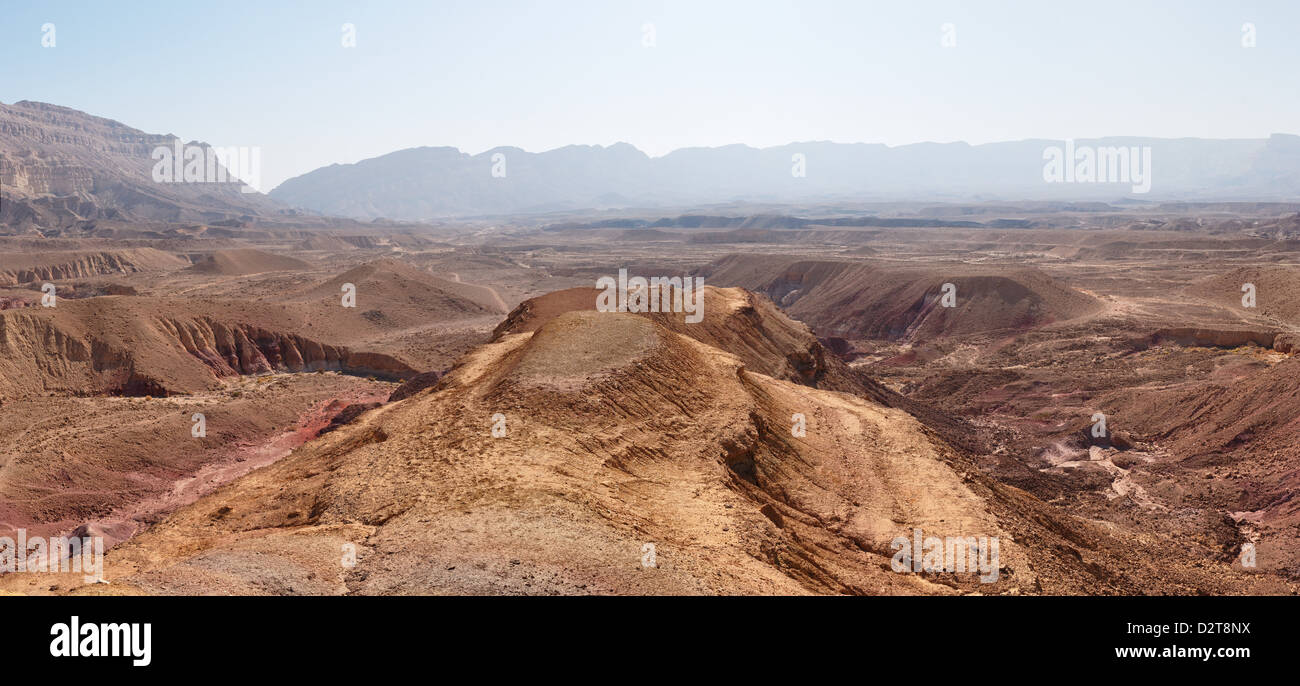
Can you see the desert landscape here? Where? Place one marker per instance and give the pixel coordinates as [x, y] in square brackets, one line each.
[648, 299]
[472, 422]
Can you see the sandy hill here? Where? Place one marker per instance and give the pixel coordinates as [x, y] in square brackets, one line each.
[240, 261]
[751, 327]
[735, 320]
[397, 284]
[620, 433]
[1277, 291]
[866, 300]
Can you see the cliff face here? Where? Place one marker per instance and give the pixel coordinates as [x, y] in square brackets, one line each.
[235, 349]
[42, 351]
[50, 125]
[32, 175]
[59, 166]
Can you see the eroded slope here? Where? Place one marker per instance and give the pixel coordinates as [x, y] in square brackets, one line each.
[615, 432]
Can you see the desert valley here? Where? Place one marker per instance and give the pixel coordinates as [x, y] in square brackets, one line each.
[242, 395]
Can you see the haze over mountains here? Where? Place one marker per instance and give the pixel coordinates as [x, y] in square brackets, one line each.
[60, 167]
[427, 182]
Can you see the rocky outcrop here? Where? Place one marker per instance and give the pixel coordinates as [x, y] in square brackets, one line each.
[1288, 343]
[235, 349]
[8, 302]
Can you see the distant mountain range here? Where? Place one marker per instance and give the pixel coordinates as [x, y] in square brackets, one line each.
[59, 167]
[424, 183]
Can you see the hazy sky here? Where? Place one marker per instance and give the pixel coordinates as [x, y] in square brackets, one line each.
[539, 75]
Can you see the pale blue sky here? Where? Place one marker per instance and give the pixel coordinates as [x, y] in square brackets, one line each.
[539, 75]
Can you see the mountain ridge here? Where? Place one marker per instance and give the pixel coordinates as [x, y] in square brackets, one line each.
[60, 166]
[426, 182]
